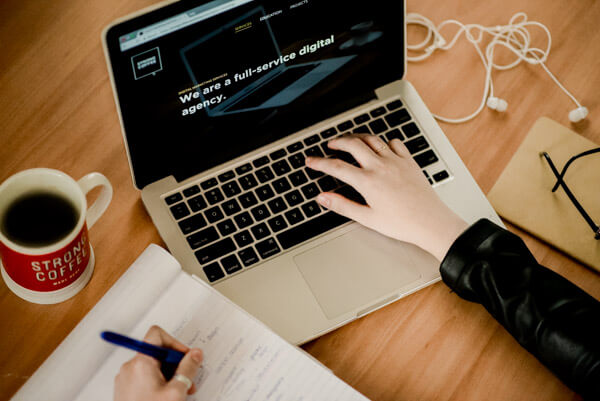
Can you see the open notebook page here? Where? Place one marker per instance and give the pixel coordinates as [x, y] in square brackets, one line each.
[243, 359]
[82, 352]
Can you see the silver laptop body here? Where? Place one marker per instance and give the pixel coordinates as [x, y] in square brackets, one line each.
[302, 288]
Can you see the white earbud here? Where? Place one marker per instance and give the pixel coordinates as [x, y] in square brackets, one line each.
[578, 114]
[515, 36]
[495, 103]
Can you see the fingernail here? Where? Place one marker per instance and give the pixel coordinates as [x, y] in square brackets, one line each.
[308, 160]
[323, 200]
[197, 356]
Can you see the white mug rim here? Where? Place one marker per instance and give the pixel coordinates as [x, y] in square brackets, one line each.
[34, 251]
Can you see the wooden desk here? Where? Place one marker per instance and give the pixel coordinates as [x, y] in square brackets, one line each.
[57, 110]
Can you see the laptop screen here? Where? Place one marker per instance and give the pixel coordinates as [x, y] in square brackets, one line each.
[201, 83]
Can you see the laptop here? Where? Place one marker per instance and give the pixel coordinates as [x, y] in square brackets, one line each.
[220, 101]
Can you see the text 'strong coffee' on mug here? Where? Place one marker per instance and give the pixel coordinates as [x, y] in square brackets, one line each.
[45, 253]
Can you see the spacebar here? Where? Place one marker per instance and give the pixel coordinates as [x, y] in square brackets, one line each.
[310, 229]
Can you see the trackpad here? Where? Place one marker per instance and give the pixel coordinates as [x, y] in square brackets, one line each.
[356, 269]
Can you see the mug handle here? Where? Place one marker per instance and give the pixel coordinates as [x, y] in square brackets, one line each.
[87, 183]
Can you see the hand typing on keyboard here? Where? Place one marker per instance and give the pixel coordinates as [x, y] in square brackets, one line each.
[400, 202]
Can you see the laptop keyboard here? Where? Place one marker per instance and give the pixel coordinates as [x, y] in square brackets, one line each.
[262, 208]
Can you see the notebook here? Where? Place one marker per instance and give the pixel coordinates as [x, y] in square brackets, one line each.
[243, 359]
[522, 194]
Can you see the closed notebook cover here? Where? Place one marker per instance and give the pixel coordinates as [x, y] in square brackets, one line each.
[523, 196]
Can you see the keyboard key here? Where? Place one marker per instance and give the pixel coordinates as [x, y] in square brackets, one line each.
[260, 212]
[208, 183]
[281, 167]
[363, 129]
[226, 227]
[171, 199]
[396, 104]
[197, 203]
[248, 256]
[214, 214]
[260, 231]
[394, 134]
[226, 176]
[310, 229]
[243, 220]
[426, 158]
[277, 223]
[416, 145]
[231, 207]
[378, 112]
[213, 272]
[264, 174]
[248, 181]
[411, 130]
[294, 147]
[442, 175]
[328, 133]
[311, 208]
[214, 251]
[265, 192]
[243, 169]
[294, 216]
[361, 119]
[313, 174]
[398, 117]
[281, 185]
[345, 156]
[327, 183]
[351, 194]
[203, 237]
[310, 191]
[231, 264]
[314, 151]
[277, 205]
[430, 181]
[346, 125]
[180, 210]
[193, 190]
[248, 199]
[243, 238]
[296, 160]
[214, 196]
[261, 161]
[297, 178]
[267, 248]
[192, 224]
[293, 198]
[377, 126]
[311, 140]
[278, 154]
[231, 189]
[326, 149]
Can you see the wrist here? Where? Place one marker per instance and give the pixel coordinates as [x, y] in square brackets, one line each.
[443, 234]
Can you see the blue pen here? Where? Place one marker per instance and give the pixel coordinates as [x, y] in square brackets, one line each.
[168, 358]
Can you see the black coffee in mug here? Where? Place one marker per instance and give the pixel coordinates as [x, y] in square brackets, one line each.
[38, 219]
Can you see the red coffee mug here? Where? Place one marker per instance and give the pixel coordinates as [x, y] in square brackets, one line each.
[51, 273]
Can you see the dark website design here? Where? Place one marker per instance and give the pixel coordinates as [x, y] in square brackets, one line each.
[195, 92]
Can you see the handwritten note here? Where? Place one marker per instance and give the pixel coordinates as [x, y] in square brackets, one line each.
[243, 359]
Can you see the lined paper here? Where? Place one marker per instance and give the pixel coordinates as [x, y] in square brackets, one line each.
[243, 359]
[82, 351]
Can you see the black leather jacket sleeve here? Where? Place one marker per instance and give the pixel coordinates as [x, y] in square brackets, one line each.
[551, 317]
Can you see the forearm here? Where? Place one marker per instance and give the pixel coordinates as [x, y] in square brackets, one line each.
[552, 318]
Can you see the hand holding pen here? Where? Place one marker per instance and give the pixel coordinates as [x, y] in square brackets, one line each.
[144, 376]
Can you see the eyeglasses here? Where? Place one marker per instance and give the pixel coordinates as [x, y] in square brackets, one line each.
[560, 182]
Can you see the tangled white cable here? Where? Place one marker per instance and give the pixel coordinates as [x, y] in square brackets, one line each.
[515, 37]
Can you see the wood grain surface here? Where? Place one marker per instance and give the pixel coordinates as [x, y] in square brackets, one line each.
[57, 111]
